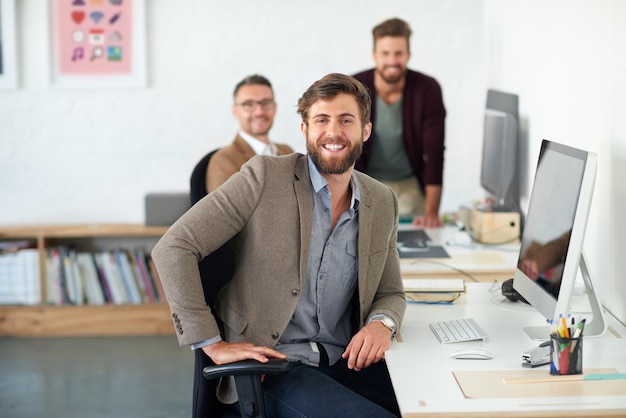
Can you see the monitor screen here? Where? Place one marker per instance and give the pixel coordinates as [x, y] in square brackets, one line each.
[551, 248]
[499, 169]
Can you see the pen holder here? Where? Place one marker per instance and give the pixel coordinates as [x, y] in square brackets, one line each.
[566, 355]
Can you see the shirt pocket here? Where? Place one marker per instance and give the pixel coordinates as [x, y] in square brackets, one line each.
[349, 272]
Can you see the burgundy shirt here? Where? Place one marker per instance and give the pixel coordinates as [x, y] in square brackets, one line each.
[423, 126]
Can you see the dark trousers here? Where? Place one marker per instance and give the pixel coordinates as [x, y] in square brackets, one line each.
[325, 391]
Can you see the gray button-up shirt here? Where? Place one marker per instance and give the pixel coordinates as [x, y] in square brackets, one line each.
[323, 312]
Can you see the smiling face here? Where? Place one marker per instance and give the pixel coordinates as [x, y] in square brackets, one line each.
[391, 55]
[334, 133]
[255, 119]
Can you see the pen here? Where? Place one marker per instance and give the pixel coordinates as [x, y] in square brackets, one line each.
[579, 331]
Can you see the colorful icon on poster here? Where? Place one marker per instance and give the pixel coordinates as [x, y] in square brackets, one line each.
[97, 52]
[78, 53]
[78, 17]
[114, 53]
[78, 36]
[115, 37]
[115, 18]
[96, 16]
[96, 36]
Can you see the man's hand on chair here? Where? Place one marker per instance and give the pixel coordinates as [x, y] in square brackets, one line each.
[224, 352]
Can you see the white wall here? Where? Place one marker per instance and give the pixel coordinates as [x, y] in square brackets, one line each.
[567, 60]
[75, 156]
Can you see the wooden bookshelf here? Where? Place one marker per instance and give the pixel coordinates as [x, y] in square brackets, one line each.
[48, 320]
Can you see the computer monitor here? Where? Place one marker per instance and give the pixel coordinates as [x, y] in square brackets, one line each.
[499, 174]
[551, 251]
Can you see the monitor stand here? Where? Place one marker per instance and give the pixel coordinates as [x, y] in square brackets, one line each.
[593, 328]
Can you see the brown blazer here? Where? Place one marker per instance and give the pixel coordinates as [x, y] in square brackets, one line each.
[228, 160]
[268, 207]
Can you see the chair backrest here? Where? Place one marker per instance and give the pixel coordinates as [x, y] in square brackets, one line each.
[216, 270]
[197, 183]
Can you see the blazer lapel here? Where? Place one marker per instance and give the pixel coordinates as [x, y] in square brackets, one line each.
[365, 236]
[303, 190]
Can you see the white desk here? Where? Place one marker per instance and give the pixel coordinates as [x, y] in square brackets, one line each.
[421, 369]
[481, 262]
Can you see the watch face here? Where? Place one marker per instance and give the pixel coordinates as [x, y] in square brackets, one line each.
[388, 323]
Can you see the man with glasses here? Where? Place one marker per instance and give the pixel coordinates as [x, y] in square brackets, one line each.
[254, 107]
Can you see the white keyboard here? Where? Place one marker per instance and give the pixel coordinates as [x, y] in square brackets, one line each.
[457, 330]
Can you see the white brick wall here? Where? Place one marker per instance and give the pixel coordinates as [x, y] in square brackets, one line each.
[91, 155]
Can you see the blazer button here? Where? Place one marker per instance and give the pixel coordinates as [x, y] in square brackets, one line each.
[275, 335]
[294, 292]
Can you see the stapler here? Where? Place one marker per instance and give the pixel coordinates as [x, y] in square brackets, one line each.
[537, 356]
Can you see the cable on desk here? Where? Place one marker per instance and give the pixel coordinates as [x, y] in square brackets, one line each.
[496, 247]
[451, 267]
[473, 237]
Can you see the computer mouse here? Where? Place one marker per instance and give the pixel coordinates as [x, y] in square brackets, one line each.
[472, 354]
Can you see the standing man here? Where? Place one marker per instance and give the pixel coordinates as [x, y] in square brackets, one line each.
[254, 107]
[408, 116]
[317, 276]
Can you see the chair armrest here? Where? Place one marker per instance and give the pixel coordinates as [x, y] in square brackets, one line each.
[246, 367]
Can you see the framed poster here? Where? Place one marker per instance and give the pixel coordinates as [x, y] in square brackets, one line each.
[8, 49]
[98, 43]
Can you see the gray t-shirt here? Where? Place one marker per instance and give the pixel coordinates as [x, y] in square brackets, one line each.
[388, 160]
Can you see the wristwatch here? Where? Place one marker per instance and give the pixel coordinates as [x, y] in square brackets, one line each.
[386, 321]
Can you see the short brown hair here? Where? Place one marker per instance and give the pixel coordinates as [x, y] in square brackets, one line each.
[395, 27]
[253, 80]
[329, 87]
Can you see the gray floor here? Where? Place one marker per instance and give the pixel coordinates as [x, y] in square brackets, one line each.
[138, 377]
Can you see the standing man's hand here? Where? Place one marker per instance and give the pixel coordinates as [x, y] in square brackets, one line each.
[427, 221]
[432, 199]
[368, 346]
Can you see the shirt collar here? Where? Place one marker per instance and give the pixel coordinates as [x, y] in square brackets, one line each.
[259, 147]
[319, 182]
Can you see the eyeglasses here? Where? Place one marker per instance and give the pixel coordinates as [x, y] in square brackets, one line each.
[249, 105]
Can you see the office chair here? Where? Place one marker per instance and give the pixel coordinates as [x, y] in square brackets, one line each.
[219, 267]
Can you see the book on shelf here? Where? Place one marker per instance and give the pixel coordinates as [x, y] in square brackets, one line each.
[19, 277]
[94, 293]
[106, 288]
[441, 290]
[111, 270]
[157, 281]
[73, 282]
[142, 267]
[128, 277]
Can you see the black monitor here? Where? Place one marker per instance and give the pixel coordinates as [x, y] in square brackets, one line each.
[551, 251]
[499, 174]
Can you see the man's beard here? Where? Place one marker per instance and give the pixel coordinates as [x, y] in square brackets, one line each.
[334, 165]
[393, 80]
